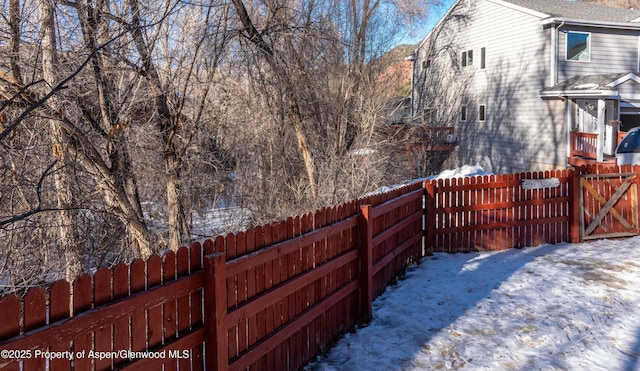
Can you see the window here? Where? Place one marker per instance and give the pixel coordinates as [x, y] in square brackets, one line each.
[578, 46]
[481, 112]
[483, 64]
[430, 116]
[426, 64]
[463, 113]
[467, 58]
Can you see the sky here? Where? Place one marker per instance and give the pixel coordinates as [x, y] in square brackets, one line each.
[419, 32]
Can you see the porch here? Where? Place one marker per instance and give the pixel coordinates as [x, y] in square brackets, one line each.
[596, 108]
[583, 149]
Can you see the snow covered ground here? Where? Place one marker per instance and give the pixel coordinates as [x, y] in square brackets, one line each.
[551, 307]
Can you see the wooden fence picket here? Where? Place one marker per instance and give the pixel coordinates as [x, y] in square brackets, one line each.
[35, 316]
[9, 327]
[154, 315]
[59, 309]
[102, 337]
[495, 212]
[121, 329]
[82, 300]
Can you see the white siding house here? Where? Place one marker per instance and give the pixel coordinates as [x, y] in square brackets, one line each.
[520, 80]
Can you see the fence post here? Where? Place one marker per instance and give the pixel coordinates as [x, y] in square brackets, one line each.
[574, 223]
[366, 264]
[429, 216]
[215, 310]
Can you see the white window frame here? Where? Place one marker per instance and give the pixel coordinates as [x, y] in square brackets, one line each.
[467, 58]
[566, 48]
[482, 113]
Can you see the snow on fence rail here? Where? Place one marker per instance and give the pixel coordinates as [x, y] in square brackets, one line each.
[275, 296]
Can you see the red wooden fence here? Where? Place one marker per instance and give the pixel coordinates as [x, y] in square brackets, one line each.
[496, 212]
[268, 298]
[152, 305]
[275, 296]
[609, 199]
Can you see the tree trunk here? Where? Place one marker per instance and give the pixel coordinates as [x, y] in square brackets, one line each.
[295, 115]
[167, 126]
[120, 159]
[69, 239]
[14, 26]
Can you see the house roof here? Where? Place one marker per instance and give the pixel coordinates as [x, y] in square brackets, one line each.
[588, 82]
[563, 11]
[590, 85]
[578, 9]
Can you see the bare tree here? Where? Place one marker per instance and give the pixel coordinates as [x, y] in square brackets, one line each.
[314, 67]
[294, 113]
[159, 111]
[69, 238]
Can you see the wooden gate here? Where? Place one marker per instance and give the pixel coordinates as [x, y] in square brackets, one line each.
[608, 205]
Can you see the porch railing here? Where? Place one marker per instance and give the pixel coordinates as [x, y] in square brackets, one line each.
[584, 144]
